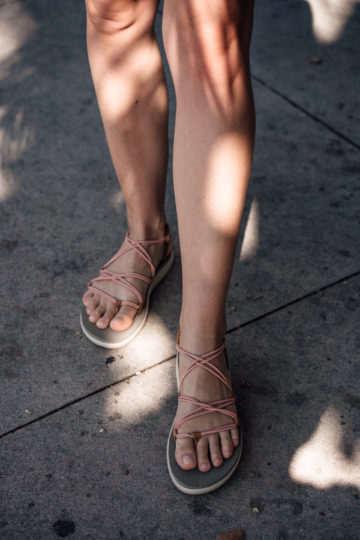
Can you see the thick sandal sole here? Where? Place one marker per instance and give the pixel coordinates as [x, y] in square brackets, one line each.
[195, 482]
[112, 339]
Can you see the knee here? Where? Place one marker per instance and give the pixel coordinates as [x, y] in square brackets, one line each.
[111, 16]
[207, 43]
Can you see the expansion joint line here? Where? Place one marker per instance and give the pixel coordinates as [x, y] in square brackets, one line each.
[79, 399]
[306, 112]
[230, 331]
[293, 302]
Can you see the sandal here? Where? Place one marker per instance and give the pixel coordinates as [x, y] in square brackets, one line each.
[107, 337]
[195, 482]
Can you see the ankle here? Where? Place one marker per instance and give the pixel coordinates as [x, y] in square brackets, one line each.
[147, 230]
[200, 337]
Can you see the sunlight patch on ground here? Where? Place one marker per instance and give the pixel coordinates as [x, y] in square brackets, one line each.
[16, 27]
[19, 140]
[321, 461]
[145, 392]
[12, 146]
[251, 236]
[7, 185]
[117, 200]
[329, 18]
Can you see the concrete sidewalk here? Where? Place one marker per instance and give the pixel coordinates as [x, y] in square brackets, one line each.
[83, 430]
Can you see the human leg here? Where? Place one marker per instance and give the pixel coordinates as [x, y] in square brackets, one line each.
[129, 82]
[207, 46]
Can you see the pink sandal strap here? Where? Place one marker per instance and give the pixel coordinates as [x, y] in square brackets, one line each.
[121, 279]
[204, 361]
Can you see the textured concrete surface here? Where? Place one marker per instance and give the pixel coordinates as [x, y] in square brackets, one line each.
[308, 51]
[83, 435]
[100, 463]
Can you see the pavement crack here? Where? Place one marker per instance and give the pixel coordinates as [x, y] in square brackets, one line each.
[306, 112]
[81, 398]
[238, 327]
[293, 302]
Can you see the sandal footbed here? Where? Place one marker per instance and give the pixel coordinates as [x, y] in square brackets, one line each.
[112, 339]
[195, 482]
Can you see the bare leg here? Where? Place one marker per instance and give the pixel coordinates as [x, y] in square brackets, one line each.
[129, 82]
[207, 46]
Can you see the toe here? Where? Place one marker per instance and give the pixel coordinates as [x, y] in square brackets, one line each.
[202, 451]
[227, 445]
[97, 313]
[124, 319]
[92, 304]
[104, 321]
[215, 451]
[87, 297]
[235, 435]
[185, 454]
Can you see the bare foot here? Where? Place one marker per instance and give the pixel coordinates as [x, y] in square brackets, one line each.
[211, 449]
[105, 313]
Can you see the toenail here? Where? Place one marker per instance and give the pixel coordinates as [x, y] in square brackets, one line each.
[187, 460]
[203, 467]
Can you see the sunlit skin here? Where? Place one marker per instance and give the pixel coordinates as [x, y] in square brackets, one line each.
[207, 46]
[129, 82]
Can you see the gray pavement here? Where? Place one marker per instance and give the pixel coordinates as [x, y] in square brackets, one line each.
[83, 430]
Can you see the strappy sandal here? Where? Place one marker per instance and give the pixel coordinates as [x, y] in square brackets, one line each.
[107, 337]
[195, 482]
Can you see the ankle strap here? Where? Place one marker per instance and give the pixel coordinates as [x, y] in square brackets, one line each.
[164, 239]
[138, 246]
[201, 408]
[203, 361]
[122, 278]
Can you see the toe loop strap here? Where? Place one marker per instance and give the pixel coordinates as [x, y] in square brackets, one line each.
[113, 300]
[196, 435]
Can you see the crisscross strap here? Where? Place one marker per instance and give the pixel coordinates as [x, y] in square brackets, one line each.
[201, 408]
[121, 279]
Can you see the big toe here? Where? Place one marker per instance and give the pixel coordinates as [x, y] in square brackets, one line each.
[185, 454]
[123, 320]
